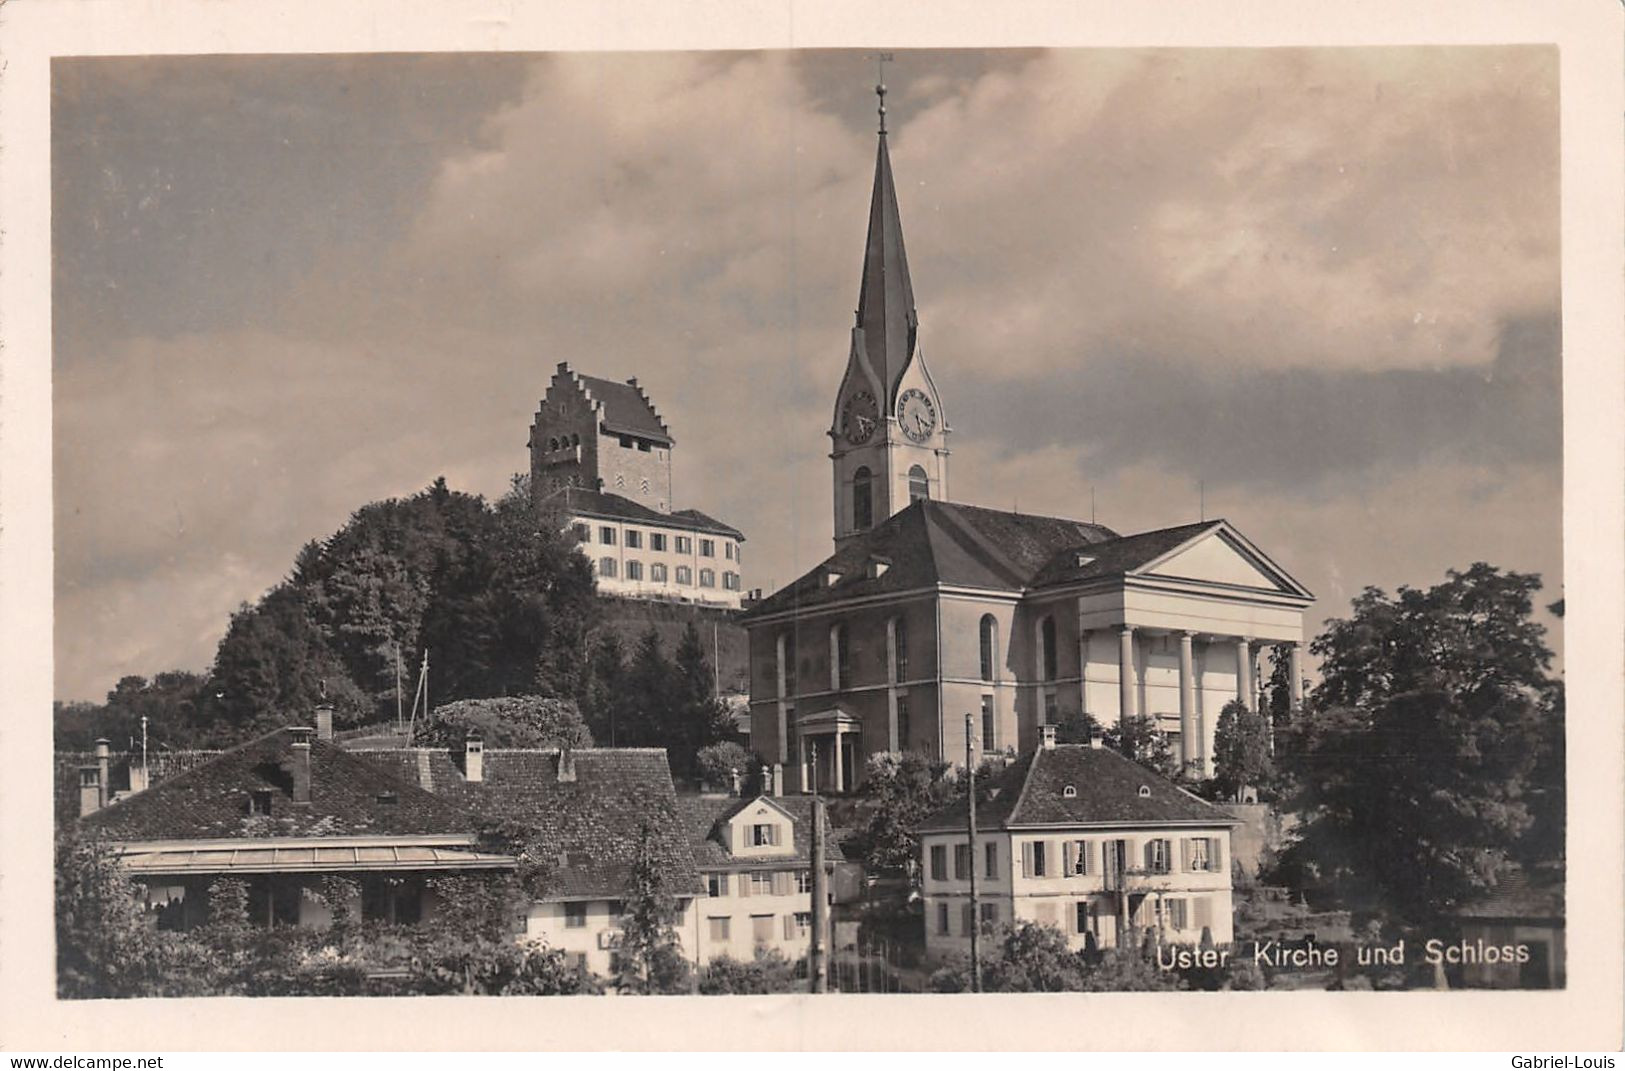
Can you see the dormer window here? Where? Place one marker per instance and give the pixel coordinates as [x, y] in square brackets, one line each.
[763, 834]
[1081, 559]
[259, 802]
[1145, 792]
[877, 568]
[388, 799]
[1070, 792]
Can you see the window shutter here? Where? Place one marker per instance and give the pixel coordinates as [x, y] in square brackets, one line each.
[789, 927]
[781, 883]
[1071, 857]
[1150, 853]
[744, 885]
[1215, 859]
[1204, 911]
[1089, 857]
[1185, 853]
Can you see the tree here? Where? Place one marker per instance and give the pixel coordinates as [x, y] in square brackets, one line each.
[717, 764]
[901, 790]
[522, 721]
[769, 972]
[1137, 737]
[1031, 957]
[651, 955]
[1413, 765]
[697, 718]
[1241, 750]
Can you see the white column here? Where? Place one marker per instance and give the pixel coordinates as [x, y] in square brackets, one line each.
[1125, 674]
[1189, 750]
[1204, 726]
[1083, 663]
[1295, 669]
[1244, 672]
[840, 771]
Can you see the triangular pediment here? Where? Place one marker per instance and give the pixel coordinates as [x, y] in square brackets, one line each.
[1220, 557]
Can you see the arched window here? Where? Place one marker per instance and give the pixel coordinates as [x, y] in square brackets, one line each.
[1046, 638]
[863, 504]
[990, 643]
[919, 485]
[840, 658]
[900, 648]
[553, 443]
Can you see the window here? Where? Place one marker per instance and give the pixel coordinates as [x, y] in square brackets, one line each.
[804, 881]
[990, 642]
[991, 850]
[708, 548]
[582, 532]
[708, 578]
[728, 551]
[553, 443]
[967, 918]
[989, 725]
[789, 663]
[1052, 707]
[717, 927]
[1046, 645]
[900, 648]
[841, 657]
[990, 916]
[575, 915]
[939, 862]
[902, 723]
[762, 834]
[761, 883]
[1175, 915]
[606, 567]
[919, 486]
[716, 885]
[761, 929]
[1077, 857]
[801, 924]
[730, 581]
[634, 570]
[657, 540]
[863, 503]
[606, 535]
[685, 545]
[1036, 861]
[259, 801]
[961, 861]
[657, 572]
[634, 538]
[1085, 917]
[1158, 856]
[1201, 854]
[685, 576]
[620, 481]
[626, 442]
[643, 485]
[645, 446]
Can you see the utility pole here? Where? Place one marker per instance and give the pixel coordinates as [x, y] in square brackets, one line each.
[818, 967]
[975, 921]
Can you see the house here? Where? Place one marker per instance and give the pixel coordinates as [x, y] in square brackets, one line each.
[282, 812]
[929, 609]
[754, 858]
[582, 817]
[600, 465]
[1079, 837]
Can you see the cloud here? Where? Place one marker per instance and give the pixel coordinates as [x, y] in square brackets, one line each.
[1319, 280]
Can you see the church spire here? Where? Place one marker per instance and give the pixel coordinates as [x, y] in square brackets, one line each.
[886, 313]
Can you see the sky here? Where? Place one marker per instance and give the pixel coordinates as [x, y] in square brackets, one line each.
[1313, 291]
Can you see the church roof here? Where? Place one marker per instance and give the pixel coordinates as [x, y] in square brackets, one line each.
[1117, 556]
[886, 311]
[932, 543]
[627, 410]
[1106, 790]
[582, 502]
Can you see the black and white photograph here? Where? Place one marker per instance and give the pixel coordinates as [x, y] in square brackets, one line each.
[784, 521]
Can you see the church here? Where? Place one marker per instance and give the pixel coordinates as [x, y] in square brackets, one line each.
[932, 615]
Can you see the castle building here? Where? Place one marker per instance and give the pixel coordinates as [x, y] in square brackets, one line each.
[600, 465]
[930, 610]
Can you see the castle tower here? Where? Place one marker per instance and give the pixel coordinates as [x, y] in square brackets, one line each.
[889, 433]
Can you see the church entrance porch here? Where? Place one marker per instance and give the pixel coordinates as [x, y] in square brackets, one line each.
[830, 751]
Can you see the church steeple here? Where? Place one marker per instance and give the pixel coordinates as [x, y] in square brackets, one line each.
[886, 313]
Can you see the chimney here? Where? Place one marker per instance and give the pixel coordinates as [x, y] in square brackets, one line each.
[90, 790]
[567, 764]
[1097, 741]
[104, 778]
[733, 779]
[138, 770]
[1046, 737]
[324, 721]
[299, 752]
[474, 757]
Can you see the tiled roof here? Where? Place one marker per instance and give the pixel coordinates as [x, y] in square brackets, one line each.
[1117, 556]
[347, 798]
[161, 766]
[1031, 792]
[590, 826]
[933, 542]
[577, 500]
[627, 409]
[703, 815]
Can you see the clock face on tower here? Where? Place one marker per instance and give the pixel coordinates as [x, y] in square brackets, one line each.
[860, 417]
[916, 414]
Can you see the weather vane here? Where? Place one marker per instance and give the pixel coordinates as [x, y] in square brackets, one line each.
[881, 59]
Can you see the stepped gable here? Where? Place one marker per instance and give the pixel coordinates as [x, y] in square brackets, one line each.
[627, 410]
[931, 543]
[586, 829]
[348, 797]
[1030, 792]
